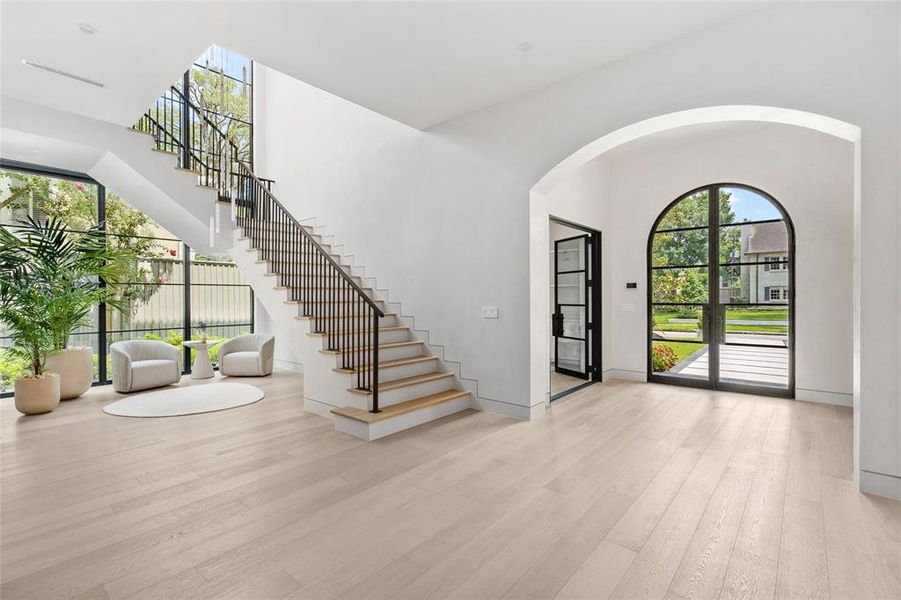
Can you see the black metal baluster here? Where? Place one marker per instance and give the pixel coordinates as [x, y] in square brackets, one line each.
[375, 362]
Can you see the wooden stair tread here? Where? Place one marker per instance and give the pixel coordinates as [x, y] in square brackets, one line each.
[398, 362]
[394, 384]
[400, 408]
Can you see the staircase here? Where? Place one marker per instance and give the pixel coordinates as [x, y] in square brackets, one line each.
[363, 365]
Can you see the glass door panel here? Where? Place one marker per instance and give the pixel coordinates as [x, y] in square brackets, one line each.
[679, 282]
[679, 341]
[720, 263]
[571, 307]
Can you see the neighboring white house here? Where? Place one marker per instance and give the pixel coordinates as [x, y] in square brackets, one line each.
[765, 243]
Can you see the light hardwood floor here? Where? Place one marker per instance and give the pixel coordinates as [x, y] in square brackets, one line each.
[624, 490]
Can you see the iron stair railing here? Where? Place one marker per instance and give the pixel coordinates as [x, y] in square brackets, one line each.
[326, 293]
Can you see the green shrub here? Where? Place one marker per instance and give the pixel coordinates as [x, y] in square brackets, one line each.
[175, 338]
[663, 358]
[10, 369]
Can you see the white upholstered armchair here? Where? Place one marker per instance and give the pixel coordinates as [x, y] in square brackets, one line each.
[247, 355]
[142, 364]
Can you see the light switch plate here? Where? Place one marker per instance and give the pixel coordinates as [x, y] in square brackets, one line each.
[489, 312]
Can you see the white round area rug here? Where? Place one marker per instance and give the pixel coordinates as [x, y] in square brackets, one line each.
[188, 400]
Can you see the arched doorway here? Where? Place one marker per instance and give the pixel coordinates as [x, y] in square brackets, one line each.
[721, 292]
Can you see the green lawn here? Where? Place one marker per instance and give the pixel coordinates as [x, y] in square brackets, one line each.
[682, 349]
[661, 321]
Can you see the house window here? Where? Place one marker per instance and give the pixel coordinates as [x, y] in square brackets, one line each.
[155, 293]
[775, 263]
[777, 294]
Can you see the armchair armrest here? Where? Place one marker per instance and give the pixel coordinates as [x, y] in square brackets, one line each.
[121, 369]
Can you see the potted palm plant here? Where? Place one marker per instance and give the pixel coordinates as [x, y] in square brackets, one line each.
[74, 273]
[23, 310]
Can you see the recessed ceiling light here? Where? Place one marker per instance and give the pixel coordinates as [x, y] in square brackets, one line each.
[87, 28]
[63, 73]
[524, 47]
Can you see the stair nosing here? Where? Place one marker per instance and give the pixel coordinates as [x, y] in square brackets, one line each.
[396, 410]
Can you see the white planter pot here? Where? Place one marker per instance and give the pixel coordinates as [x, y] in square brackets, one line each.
[76, 371]
[38, 394]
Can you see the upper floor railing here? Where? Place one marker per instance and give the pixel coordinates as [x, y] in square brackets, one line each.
[324, 289]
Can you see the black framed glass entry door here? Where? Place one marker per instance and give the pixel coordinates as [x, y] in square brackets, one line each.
[571, 306]
[721, 292]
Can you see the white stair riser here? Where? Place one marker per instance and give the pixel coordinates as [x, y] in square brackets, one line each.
[418, 390]
[279, 254]
[417, 368]
[386, 354]
[386, 321]
[385, 337]
[315, 280]
[331, 291]
[316, 306]
[381, 429]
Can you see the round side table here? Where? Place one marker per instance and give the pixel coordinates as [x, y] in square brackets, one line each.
[202, 368]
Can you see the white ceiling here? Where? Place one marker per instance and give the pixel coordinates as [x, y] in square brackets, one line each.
[35, 149]
[678, 138]
[420, 63]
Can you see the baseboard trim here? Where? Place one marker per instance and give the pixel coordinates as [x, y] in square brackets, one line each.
[880, 484]
[625, 374]
[288, 365]
[517, 411]
[318, 408]
[824, 397]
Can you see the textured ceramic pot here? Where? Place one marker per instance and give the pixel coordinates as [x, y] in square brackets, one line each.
[76, 371]
[36, 395]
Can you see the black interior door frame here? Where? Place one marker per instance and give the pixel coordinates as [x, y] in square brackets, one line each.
[559, 331]
[594, 300]
[714, 312]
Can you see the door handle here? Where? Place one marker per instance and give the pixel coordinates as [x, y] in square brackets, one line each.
[557, 324]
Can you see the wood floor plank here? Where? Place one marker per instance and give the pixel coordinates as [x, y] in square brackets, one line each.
[706, 560]
[802, 569]
[703, 489]
[854, 569]
[598, 575]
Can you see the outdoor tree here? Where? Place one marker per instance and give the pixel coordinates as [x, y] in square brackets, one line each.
[75, 203]
[682, 249]
[226, 103]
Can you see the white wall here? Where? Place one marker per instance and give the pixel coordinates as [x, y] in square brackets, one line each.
[443, 217]
[810, 173]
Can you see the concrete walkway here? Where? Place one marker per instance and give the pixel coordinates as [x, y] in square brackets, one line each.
[740, 364]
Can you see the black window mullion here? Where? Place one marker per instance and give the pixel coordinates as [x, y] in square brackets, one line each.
[101, 316]
[712, 313]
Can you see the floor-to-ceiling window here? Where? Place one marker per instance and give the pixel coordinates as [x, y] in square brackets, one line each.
[220, 82]
[721, 292]
[172, 291]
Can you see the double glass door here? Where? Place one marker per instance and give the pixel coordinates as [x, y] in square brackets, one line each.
[721, 292]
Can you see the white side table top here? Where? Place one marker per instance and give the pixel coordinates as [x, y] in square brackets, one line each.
[198, 345]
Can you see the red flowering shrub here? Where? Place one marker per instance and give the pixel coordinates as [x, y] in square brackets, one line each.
[663, 358]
